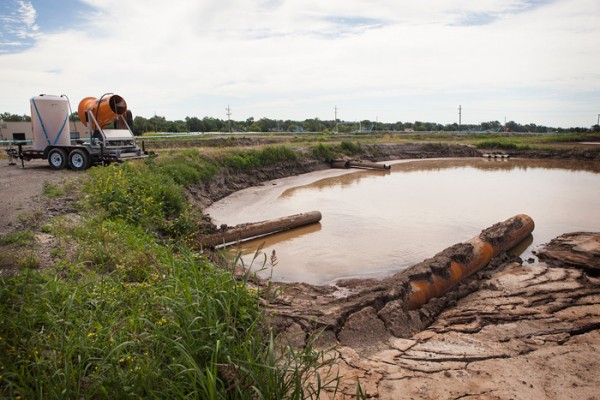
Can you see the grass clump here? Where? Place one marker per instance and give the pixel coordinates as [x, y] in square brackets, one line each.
[186, 167]
[249, 159]
[115, 246]
[31, 218]
[52, 190]
[330, 152]
[20, 238]
[350, 148]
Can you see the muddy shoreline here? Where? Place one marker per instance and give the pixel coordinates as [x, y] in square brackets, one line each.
[225, 183]
[467, 343]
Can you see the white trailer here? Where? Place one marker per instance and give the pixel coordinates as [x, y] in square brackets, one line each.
[109, 136]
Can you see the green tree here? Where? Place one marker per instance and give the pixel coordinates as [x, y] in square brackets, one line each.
[194, 124]
[313, 125]
[8, 117]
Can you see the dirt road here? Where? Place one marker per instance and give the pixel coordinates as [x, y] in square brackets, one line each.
[21, 188]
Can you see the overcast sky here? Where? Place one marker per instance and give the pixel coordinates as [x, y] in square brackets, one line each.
[388, 60]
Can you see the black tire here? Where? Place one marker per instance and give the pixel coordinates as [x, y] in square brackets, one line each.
[57, 158]
[79, 160]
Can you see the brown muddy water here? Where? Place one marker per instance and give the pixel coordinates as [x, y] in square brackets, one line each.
[376, 223]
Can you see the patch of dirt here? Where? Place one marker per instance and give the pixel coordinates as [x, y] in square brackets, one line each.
[22, 188]
[23, 205]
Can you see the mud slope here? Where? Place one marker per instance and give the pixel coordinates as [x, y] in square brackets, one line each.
[529, 332]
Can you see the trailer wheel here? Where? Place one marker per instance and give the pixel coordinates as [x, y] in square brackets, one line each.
[57, 158]
[79, 160]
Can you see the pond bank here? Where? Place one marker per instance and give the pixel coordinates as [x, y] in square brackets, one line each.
[225, 183]
[509, 331]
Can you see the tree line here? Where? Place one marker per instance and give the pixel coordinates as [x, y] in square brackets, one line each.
[156, 123]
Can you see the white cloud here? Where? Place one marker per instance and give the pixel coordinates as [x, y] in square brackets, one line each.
[18, 24]
[298, 58]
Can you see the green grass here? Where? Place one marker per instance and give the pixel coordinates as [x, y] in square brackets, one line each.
[130, 309]
[66, 186]
[193, 331]
[250, 159]
[20, 238]
[330, 152]
[52, 190]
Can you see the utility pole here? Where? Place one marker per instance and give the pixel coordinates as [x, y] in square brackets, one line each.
[228, 117]
[459, 116]
[599, 119]
[336, 119]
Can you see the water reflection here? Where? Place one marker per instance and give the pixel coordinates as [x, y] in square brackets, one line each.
[378, 222]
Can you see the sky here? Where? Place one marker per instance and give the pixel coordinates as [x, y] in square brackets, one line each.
[529, 61]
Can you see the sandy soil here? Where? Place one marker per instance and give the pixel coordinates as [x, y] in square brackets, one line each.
[21, 188]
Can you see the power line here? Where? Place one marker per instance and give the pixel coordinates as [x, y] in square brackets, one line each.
[336, 119]
[228, 117]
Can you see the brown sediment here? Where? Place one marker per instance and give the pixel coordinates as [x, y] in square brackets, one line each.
[574, 250]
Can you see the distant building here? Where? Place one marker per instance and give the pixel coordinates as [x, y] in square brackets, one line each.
[16, 130]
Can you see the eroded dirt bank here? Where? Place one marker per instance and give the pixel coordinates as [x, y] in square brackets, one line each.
[511, 331]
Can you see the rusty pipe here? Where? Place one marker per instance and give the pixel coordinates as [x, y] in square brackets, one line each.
[359, 164]
[246, 231]
[491, 242]
[105, 110]
[367, 165]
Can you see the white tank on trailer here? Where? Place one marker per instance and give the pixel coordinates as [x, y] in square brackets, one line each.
[50, 121]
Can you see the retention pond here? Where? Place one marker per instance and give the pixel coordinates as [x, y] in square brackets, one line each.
[376, 223]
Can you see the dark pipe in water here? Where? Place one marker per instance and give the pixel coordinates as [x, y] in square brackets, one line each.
[250, 230]
[358, 164]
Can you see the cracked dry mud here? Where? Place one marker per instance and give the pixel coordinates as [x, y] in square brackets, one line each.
[529, 332]
[532, 333]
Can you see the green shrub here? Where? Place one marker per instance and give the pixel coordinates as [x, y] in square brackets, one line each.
[135, 195]
[271, 155]
[323, 152]
[350, 148]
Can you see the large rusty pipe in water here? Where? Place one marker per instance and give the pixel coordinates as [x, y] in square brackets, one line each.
[246, 231]
[483, 248]
[105, 110]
